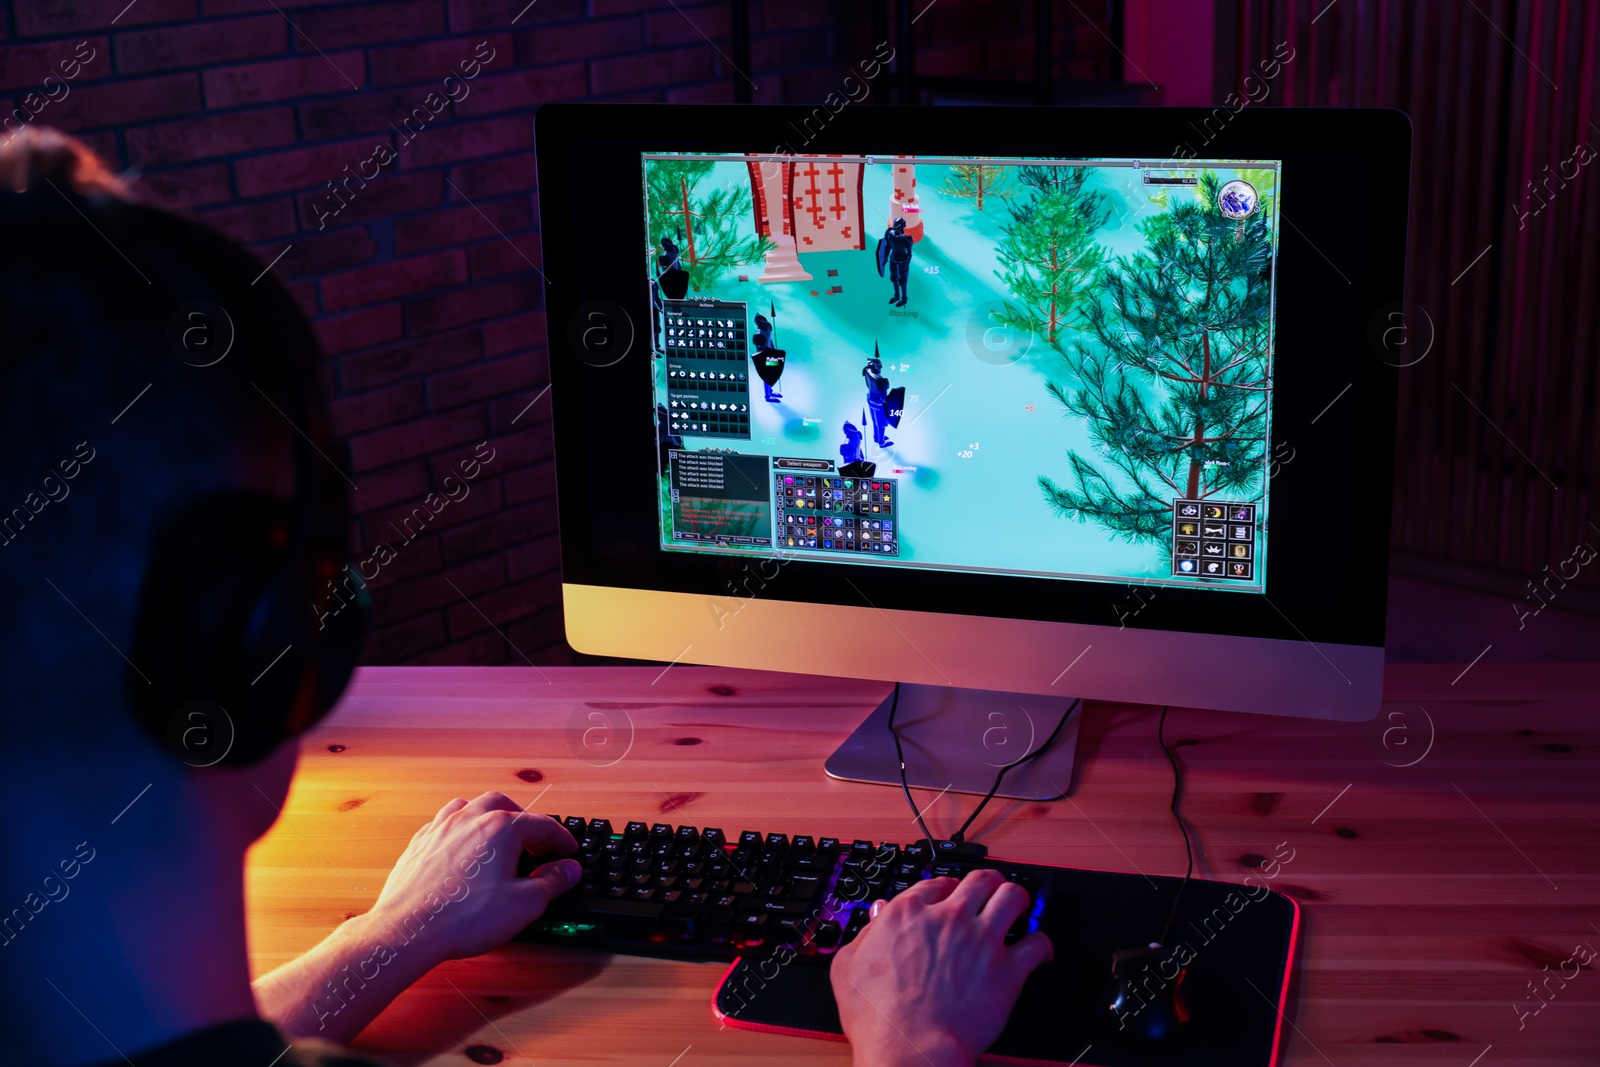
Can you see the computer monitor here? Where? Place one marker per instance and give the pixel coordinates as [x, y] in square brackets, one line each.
[1010, 405]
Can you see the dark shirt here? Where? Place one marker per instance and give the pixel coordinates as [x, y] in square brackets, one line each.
[245, 1043]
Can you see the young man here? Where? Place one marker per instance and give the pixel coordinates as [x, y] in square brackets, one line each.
[122, 925]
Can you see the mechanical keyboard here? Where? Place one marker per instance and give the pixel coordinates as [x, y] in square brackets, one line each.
[681, 891]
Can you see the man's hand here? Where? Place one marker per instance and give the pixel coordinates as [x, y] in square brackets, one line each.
[930, 979]
[457, 882]
[454, 892]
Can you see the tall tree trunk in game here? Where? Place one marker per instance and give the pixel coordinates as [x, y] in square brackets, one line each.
[1172, 376]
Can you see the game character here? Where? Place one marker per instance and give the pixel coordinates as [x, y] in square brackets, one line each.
[768, 360]
[883, 404]
[855, 464]
[670, 275]
[894, 248]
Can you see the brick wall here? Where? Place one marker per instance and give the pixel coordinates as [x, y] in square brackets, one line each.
[400, 209]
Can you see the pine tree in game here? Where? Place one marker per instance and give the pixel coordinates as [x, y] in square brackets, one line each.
[1049, 256]
[705, 225]
[980, 181]
[1173, 377]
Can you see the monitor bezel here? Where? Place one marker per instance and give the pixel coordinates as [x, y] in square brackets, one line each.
[1377, 141]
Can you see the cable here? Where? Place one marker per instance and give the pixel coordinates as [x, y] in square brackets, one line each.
[960, 835]
[1188, 849]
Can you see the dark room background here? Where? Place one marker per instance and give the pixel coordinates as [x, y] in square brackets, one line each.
[420, 266]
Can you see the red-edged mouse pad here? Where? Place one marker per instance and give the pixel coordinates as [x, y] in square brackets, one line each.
[1238, 941]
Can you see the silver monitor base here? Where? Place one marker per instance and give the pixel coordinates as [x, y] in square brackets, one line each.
[958, 739]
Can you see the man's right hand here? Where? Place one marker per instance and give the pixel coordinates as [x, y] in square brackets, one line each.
[930, 980]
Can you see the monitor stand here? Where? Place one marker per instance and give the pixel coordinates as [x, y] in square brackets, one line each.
[958, 739]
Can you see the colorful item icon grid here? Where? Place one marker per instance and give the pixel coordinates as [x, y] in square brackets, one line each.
[708, 390]
[1214, 539]
[838, 514]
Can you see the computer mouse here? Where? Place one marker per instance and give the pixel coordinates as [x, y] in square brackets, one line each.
[1143, 1001]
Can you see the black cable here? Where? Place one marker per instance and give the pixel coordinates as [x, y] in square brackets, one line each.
[900, 756]
[1188, 849]
[959, 835]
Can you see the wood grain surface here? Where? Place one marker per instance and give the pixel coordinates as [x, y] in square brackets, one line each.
[1446, 854]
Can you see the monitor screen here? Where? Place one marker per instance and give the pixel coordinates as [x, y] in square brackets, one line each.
[1056, 368]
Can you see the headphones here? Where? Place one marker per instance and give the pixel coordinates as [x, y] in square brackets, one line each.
[238, 656]
[234, 652]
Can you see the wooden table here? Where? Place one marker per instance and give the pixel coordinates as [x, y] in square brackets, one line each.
[1444, 853]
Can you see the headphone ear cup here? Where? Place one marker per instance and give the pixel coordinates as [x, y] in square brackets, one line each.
[205, 578]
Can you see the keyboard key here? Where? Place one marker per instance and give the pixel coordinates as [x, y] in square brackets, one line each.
[828, 845]
[828, 934]
[631, 916]
[660, 830]
[600, 828]
[577, 827]
[636, 829]
[804, 843]
[750, 839]
[804, 887]
[713, 837]
[777, 843]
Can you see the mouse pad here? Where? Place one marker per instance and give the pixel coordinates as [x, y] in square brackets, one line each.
[1240, 940]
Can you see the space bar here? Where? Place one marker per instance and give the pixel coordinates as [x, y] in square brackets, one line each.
[623, 916]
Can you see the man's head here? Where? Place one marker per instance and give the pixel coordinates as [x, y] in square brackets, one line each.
[151, 400]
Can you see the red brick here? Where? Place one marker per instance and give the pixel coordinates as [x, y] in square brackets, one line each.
[432, 61]
[688, 25]
[504, 605]
[718, 92]
[512, 333]
[240, 7]
[41, 18]
[530, 483]
[364, 370]
[122, 103]
[467, 140]
[413, 517]
[189, 186]
[511, 526]
[486, 649]
[600, 8]
[488, 379]
[378, 199]
[381, 407]
[104, 145]
[390, 644]
[469, 15]
[520, 412]
[304, 167]
[26, 66]
[412, 557]
[385, 281]
[602, 37]
[341, 27]
[210, 135]
[383, 447]
[491, 177]
[524, 89]
[284, 79]
[359, 329]
[434, 313]
[541, 637]
[405, 599]
[651, 69]
[530, 440]
[459, 224]
[305, 294]
[517, 252]
[319, 254]
[534, 557]
[780, 50]
[381, 488]
[201, 44]
[346, 116]
[797, 16]
[259, 221]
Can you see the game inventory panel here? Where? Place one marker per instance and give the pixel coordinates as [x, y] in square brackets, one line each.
[1214, 539]
[708, 389]
[836, 513]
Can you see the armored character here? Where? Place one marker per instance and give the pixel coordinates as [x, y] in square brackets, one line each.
[768, 360]
[894, 250]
